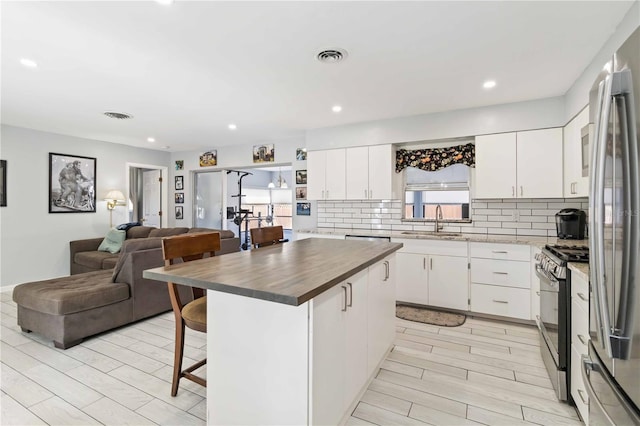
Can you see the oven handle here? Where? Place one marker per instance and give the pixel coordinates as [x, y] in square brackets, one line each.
[542, 275]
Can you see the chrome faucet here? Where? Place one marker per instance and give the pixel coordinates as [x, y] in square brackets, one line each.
[438, 217]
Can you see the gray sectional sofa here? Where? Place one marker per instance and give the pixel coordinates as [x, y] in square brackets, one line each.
[68, 309]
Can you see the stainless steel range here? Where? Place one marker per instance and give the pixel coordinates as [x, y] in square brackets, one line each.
[554, 320]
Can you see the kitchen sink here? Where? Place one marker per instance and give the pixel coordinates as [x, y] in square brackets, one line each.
[432, 233]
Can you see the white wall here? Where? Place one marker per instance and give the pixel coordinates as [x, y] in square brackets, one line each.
[36, 243]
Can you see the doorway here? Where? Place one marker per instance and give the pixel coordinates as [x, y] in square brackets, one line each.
[147, 194]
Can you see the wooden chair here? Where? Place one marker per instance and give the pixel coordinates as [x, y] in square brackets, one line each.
[266, 236]
[188, 247]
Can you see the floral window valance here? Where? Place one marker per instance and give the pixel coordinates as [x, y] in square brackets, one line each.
[433, 159]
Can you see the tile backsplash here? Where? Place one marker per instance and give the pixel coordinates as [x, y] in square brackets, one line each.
[501, 216]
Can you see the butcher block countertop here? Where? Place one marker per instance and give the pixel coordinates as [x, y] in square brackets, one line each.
[290, 273]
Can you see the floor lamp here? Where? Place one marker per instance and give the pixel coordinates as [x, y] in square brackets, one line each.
[113, 198]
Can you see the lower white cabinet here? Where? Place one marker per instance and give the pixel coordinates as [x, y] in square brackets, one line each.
[352, 329]
[504, 301]
[579, 342]
[434, 273]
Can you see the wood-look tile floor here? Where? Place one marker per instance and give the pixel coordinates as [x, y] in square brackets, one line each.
[483, 372]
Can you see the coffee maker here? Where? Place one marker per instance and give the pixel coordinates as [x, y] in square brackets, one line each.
[571, 224]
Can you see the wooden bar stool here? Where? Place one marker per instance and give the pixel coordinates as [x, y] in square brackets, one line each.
[188, 247]
[267, 236]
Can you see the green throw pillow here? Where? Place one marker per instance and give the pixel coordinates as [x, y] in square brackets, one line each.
[113, 241]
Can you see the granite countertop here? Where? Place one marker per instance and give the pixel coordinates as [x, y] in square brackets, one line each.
[290, 273]
[420, 235]
[581, 269]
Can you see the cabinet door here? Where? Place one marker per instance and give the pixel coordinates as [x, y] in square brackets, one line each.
[382, 176]
[355, 355]
[575, 185]
[411, 278]
[316, 174]
[329, 346]
[335, 174]
[496, 166]
[357, 173]
[539, 164]
[448, 282]
[381, 325]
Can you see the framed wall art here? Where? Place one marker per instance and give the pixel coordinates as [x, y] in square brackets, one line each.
[3, 183]
[209, 158]
[179, 197]
[301, 177]
[179, 213]
[301, 154]
[72, 183]
[263, 153]
[179, 183]
[179, 164]
[301, 193]
[303, 209]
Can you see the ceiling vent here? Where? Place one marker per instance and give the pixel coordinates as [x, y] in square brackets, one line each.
[331, 56]
[118, 115]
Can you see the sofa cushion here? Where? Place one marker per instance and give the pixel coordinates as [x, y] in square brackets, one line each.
[113, 241]
[94, 259]
[224, 233]
[110, 262]
[75, 293]
[131, 246]
[167, 232]
[139, 231]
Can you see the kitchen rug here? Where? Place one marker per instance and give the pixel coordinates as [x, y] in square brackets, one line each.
[429, 316]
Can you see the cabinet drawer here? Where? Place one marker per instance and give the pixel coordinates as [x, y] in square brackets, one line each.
[443, 248]
[503, 301]
[501, 272]
[579, 327]
[500, 251]
[580, 291]
[578, 391]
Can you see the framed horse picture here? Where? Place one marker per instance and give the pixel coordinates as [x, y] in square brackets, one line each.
[72, 184]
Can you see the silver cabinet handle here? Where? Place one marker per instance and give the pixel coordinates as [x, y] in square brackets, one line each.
[582, 339]
[582, 296]
[500, 273]
[386, 270]
[327, 194]
[500, 301]
[499, 252]
[431, 263]
[344, 308]
[538, 293]
[350, 304]
[513, 191]
[424, 263]
[584, 400]
[371, 193]
[521, 191]
[322, 194]
[365, 194]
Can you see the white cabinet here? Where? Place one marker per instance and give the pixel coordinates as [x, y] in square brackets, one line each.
[579, 341]
[432, 272]
[535, 286]
[519, 165]
[359, 173]
[575, 184]
[371, 173]
[381, 323]
[501, 279]
[326, 175]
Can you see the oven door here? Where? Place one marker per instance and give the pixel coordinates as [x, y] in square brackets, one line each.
[548, 322]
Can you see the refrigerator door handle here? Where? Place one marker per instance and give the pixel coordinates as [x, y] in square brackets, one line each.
[598, 277]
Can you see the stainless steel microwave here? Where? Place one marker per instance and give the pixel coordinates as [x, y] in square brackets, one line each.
[585, 135]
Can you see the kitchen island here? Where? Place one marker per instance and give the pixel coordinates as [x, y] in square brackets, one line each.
[295, 330]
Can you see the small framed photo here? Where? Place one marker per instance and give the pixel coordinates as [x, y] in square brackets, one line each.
[3, 183]
[301, 177]
[303, 209]
[263, 153]
[179, 197]
[179, 164]
[179, 213]
[301, 154]
[179, 183]
[209, 158]
[301, 193]
[72, 184]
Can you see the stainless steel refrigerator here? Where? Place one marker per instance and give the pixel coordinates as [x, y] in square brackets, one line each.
[611, 371]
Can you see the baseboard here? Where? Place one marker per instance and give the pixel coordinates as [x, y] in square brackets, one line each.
[8, 288]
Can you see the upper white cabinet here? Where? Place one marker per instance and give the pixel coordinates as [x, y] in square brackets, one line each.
[359, 173]
[326, 174]
[371, 173]
[519, 165]
[575, 184]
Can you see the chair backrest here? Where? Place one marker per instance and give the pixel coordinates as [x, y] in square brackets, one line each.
[266, 236]
[188, 247]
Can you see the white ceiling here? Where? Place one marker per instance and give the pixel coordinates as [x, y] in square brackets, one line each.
[187, 70]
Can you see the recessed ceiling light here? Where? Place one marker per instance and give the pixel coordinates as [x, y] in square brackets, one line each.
[165, 2]
[118, 115]
[336, 108]
[489, 84]
[29, 63]
[151, 140]
[166, 147]
[232, 126]
[331, 56]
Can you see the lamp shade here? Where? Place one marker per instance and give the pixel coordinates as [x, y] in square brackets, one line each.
[115, 195]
